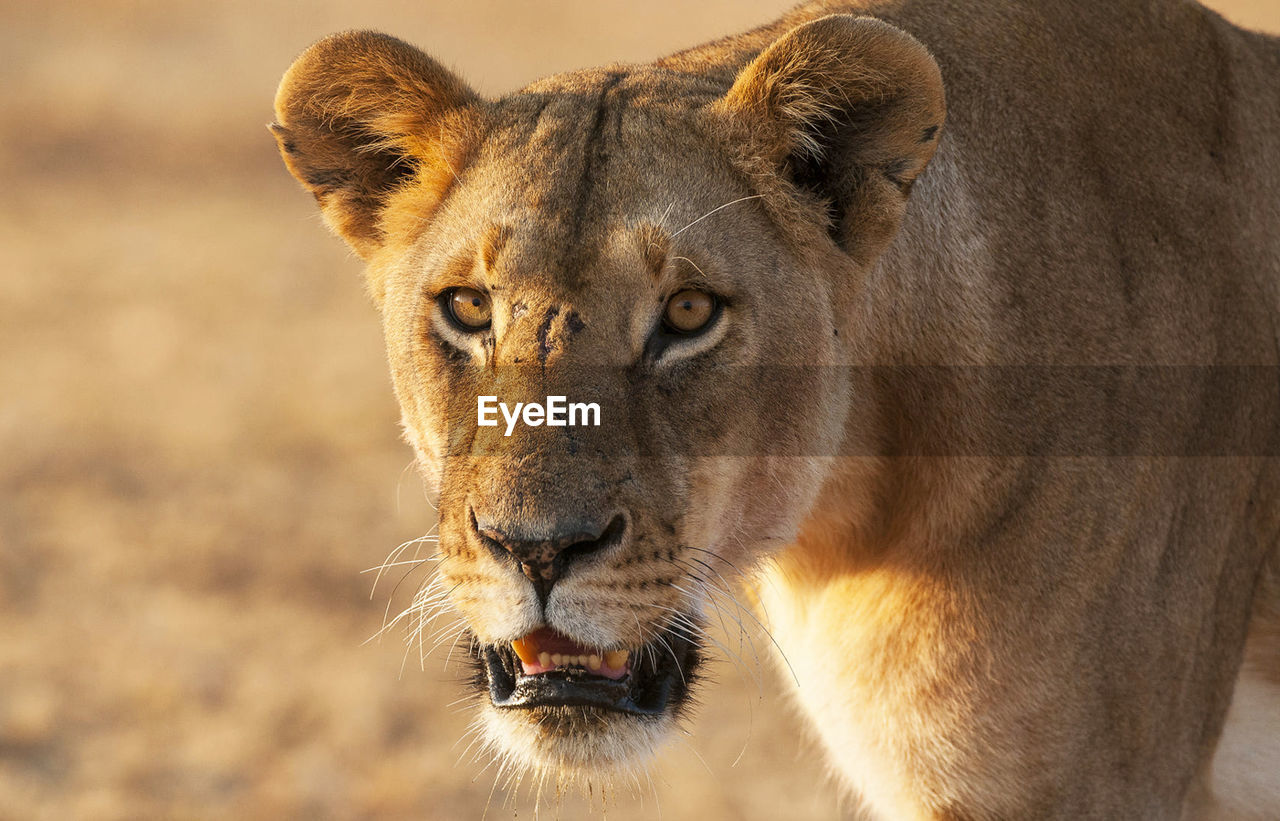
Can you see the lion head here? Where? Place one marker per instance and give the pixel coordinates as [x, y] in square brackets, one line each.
[675, 243]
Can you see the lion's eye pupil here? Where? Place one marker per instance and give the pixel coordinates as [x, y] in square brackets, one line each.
[689, 311]
[470, 309]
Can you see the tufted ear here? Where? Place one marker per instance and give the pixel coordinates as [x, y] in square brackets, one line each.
[361, 115]
[850, 108]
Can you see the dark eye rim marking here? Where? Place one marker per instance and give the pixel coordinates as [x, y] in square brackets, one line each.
[445, 302]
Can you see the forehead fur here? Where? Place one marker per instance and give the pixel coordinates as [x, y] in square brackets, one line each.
[580, 153]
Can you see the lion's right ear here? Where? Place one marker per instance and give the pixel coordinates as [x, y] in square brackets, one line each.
[361, 114]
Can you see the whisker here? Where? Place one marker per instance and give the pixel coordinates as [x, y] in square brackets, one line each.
[395, 554]
[768, 635]
[398, 564]
[679, 623]
[692, 263]
[452, 647]
[671, 652]
[714, 210]
[411, 610]
[715, 590]
[496, 776]
[400, 483]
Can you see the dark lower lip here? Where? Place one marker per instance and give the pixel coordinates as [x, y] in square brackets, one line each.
[658, 682]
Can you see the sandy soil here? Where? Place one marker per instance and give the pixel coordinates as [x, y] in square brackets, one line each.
[200, 451]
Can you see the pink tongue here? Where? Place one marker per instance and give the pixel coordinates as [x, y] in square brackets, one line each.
[550, 642]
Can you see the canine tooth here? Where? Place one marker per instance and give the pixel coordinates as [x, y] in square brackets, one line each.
[525, 650]
[557, 659]
[616, 659]
[593, 662]
[544, 659]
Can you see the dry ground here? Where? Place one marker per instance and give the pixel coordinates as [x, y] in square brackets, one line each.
[198, 444]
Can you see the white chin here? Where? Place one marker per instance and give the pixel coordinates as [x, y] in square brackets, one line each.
[574, 746]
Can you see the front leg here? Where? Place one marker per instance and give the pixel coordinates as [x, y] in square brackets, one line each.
[931, 708]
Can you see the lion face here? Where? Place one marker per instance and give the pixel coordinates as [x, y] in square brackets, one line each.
[646, 241]
[582, 557]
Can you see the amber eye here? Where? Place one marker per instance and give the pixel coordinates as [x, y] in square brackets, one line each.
[469, 308]
[689, 311]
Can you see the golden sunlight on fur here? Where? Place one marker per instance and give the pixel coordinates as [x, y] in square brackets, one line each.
[1002, 574]
[899, 591]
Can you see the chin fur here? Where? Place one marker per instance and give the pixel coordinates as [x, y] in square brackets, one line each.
[572, 748]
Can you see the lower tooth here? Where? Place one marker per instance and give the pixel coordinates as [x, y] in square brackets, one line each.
[616, 659]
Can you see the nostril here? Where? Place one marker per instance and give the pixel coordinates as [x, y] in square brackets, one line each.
[545, 556]
[611, 535]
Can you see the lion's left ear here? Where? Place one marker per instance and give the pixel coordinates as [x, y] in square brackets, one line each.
[850, 108]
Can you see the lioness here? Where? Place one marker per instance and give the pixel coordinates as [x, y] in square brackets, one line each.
[995, 445]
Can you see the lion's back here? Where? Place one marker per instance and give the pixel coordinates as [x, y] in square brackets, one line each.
[1122, 155]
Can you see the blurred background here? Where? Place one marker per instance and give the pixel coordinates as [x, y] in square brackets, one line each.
[199, 452]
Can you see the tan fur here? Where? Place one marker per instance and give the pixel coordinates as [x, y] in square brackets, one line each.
[1011, 581]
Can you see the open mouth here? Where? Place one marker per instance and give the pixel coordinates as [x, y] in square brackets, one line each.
[549, 669]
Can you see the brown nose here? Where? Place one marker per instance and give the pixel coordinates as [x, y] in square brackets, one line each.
[545, 557]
